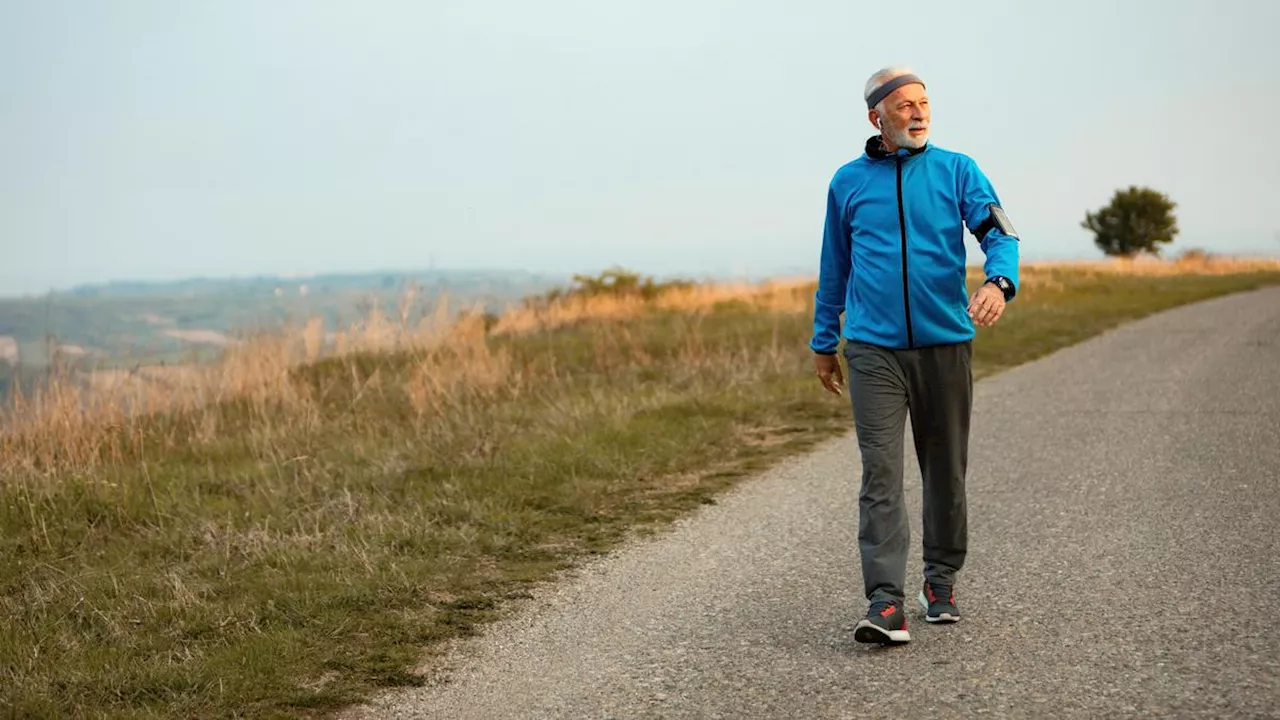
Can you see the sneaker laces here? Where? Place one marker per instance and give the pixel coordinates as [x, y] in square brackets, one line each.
[878, 606]
[941, 593]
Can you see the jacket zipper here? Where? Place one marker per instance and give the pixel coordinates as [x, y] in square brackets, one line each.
[902, 225]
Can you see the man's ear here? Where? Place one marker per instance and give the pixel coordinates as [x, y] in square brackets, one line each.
[874, 118]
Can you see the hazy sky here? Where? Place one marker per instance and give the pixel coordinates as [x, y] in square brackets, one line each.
[174, 138]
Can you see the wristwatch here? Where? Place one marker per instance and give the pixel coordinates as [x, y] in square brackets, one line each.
[1005, 285]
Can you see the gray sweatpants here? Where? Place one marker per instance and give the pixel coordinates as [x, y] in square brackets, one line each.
[934, 385]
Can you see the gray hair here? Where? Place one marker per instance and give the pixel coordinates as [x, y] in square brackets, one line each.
[881, 77]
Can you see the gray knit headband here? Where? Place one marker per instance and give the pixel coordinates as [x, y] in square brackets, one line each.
[883, 91]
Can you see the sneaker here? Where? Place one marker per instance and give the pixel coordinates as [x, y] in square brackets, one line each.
[885, 623]
[939, 603]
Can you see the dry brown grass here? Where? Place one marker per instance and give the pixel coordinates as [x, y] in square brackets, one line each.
[778, 295]
[75, 424]
[78, 423]
[1052, 275]
[1192, 262]
[449, 374]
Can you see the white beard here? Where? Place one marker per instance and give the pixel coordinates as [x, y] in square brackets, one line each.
[902, 138]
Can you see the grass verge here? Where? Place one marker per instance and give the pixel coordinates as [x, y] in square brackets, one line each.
[288, 550]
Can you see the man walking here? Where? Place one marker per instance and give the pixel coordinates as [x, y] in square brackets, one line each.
[893, 260]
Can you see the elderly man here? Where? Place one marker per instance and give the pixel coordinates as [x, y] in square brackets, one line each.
[893, 260]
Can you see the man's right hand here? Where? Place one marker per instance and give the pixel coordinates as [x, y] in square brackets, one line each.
[828, 367]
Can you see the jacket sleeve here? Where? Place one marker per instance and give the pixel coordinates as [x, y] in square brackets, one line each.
[833, 277]
[976, 198]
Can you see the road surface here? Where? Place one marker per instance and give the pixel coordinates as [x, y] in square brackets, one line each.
[1124, 561]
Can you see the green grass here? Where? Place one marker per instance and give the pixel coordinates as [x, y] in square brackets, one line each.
[303, 556]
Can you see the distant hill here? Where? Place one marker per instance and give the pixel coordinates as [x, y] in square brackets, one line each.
[470, 281]
[124, 323]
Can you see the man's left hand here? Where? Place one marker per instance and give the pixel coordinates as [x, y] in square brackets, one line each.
[987, 305]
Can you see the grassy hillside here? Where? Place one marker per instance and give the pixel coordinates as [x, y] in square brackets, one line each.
[286, 532]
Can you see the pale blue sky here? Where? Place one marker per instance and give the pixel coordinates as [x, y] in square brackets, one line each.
[173, 138]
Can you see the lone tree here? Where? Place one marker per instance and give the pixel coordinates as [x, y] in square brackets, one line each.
[1138, 220]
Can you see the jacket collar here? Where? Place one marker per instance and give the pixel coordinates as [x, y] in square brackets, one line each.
[875, 149]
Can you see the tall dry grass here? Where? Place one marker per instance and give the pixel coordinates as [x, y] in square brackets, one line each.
[1192, 262]
[1052, 275]
[76, 424]
[775, 295]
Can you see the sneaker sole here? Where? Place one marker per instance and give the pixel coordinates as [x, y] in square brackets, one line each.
[943, 618]
[868, 632]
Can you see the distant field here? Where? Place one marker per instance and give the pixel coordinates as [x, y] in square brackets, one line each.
[298, 527]
[123, 324]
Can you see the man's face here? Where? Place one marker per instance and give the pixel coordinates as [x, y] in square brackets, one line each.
[906, 117]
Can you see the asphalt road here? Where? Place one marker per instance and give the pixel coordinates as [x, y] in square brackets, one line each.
[1124, 561]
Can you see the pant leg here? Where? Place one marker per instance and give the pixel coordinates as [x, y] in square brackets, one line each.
[878, 392]
[940, 388]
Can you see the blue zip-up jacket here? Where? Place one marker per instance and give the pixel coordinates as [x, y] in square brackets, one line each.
[893, 249]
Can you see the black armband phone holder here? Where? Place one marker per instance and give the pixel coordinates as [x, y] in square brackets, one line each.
[996, 220]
